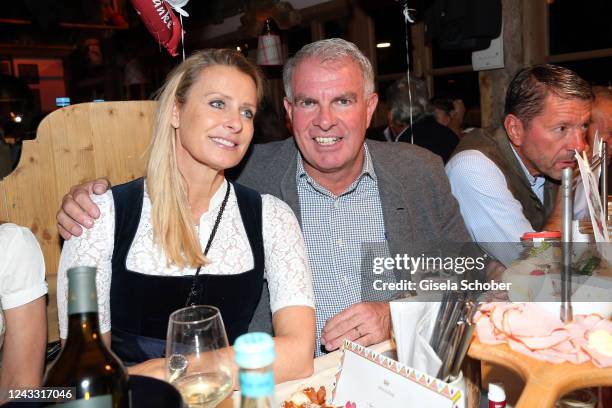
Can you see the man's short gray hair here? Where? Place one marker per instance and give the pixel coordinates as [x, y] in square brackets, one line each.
[331, 49]
[399, 101]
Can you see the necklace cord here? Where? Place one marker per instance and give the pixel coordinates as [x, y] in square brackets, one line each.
[194, 291]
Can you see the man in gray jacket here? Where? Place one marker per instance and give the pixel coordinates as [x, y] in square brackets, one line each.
[355, 200]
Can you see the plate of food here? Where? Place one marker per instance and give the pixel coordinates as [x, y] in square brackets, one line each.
[315, 390]
[311, 398]
[320, 385]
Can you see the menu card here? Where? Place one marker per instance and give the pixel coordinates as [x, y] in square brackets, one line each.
[593, 199]
[367, 379]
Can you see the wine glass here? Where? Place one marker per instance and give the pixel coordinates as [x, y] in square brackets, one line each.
[198, 358]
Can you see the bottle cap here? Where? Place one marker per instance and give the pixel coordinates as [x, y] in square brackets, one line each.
[496, 392]
[532, 236]
[254, 350]
[82, 295]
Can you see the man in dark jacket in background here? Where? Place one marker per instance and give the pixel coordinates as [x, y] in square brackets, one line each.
[406, 108]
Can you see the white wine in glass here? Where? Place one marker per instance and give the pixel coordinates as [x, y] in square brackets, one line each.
[204, 390]
[198, 358]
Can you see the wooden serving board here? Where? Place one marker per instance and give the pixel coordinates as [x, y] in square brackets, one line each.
[545, 382]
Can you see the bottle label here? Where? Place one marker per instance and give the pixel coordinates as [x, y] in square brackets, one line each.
[100, 401]
[257, 384]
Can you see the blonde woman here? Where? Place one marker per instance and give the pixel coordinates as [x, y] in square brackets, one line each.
[185, 235]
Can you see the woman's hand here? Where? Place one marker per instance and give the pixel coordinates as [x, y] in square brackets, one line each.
[155, 368]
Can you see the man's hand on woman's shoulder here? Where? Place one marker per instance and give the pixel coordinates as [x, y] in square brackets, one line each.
[77, 208]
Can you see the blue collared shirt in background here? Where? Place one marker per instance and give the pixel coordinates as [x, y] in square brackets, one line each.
[490, 211]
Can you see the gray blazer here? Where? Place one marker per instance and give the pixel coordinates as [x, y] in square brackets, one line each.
[415, 195]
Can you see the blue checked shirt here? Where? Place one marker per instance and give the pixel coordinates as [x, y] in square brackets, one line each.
[336, 230]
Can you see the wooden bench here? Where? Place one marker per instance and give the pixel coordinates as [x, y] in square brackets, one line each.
[73, 144]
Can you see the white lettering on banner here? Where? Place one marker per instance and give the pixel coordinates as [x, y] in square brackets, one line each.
[167, 19]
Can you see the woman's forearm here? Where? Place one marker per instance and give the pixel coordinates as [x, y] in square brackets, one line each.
[25, 342]
[294, 327]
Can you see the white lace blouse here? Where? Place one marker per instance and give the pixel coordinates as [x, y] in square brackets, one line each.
[287, 270]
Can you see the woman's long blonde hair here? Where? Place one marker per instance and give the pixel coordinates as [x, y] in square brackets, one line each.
[173, 224]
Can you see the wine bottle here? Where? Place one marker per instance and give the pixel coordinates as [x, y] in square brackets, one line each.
[99, 377]
[255, 355]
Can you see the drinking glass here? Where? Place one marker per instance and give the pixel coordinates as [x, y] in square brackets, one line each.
[198, 359]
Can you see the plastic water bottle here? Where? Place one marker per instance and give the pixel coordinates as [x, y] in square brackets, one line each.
[255, 355]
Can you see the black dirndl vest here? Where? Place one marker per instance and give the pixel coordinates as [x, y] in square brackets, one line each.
[141, 304]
